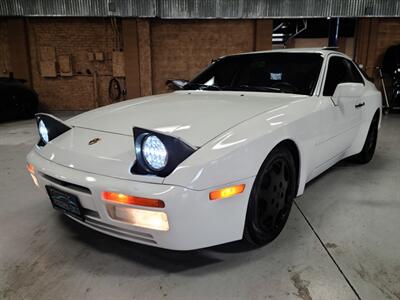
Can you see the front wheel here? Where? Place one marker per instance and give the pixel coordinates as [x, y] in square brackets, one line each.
[271, 197]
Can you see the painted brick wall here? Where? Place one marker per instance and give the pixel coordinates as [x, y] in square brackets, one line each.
[180, 48]
[75, 37]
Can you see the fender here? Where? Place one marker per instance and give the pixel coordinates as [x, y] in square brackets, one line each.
[238, 153]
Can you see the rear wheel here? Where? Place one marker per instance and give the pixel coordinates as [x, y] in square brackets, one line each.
[368, 149]
[271, 197]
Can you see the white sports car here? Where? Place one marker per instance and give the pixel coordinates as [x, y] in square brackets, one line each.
[218, 161]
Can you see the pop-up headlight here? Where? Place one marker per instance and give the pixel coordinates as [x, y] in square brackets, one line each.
[49, 128]
[158, 154]
[43, 132]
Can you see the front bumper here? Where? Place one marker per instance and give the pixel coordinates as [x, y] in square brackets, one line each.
[194, 221]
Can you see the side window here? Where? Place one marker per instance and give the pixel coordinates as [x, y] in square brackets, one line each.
[355, 73]
[340, 70]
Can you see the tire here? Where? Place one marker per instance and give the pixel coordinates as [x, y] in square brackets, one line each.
[368, 149]
[271, 197]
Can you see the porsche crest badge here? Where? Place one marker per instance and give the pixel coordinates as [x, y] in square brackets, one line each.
[94, 141]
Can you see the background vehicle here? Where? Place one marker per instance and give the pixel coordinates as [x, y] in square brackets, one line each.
[391, 68]
[17, 101]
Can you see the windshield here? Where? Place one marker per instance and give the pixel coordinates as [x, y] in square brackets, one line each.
[278, 72]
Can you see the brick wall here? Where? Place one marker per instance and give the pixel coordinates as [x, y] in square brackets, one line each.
[166, 49]
[373, 37]
[76, 37]
[388, 35]
[5, 63]
[180, 48]
[144, 44]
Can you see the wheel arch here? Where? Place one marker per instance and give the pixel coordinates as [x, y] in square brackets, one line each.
[378, 113]
[294, 150]
[359, 140]
[290, 145]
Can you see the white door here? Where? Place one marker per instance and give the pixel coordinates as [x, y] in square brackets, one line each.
[339, 124]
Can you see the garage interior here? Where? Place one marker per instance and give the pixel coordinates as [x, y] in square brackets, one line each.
[342, 238]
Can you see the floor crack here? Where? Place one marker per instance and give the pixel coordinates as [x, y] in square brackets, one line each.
[327, 251]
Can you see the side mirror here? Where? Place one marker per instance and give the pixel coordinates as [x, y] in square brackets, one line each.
[361, 66]
[176, 84]
[347, 90]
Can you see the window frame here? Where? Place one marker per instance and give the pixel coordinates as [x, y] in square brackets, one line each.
[316, 88]
[325, 71]
[357, 70]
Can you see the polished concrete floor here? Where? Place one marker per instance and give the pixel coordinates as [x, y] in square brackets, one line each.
[342, 241]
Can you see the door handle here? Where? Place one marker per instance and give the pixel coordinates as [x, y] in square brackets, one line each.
[359, 105]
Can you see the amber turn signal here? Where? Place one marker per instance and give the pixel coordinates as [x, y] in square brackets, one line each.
[132, 200]
[227, 192]
[30, 168]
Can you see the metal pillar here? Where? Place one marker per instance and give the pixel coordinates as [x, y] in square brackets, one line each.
[333, 32]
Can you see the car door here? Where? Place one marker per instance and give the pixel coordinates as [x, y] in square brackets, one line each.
[339, 124]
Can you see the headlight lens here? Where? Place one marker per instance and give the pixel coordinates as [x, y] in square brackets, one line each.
[157, 153]
[49, 128]
[44, 134]
[154, 152]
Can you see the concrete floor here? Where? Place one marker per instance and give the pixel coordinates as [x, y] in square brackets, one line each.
[354, 210]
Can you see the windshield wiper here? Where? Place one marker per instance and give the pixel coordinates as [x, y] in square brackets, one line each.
[243, 87]
[201, 86]
[259, 88]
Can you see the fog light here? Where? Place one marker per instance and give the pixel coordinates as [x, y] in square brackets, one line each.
[156, 220]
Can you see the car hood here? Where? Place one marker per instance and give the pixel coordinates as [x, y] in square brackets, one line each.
[194, 116]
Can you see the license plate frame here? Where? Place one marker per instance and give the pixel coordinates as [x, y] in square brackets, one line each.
[66, 202]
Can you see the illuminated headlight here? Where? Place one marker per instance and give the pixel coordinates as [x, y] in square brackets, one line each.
[49, 127]
[44, 134]
[157, 153]
[154, 153]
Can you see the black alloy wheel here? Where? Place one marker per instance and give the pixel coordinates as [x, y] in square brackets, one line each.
[271, 197]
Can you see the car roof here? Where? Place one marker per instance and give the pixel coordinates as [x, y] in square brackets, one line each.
[324, 51]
